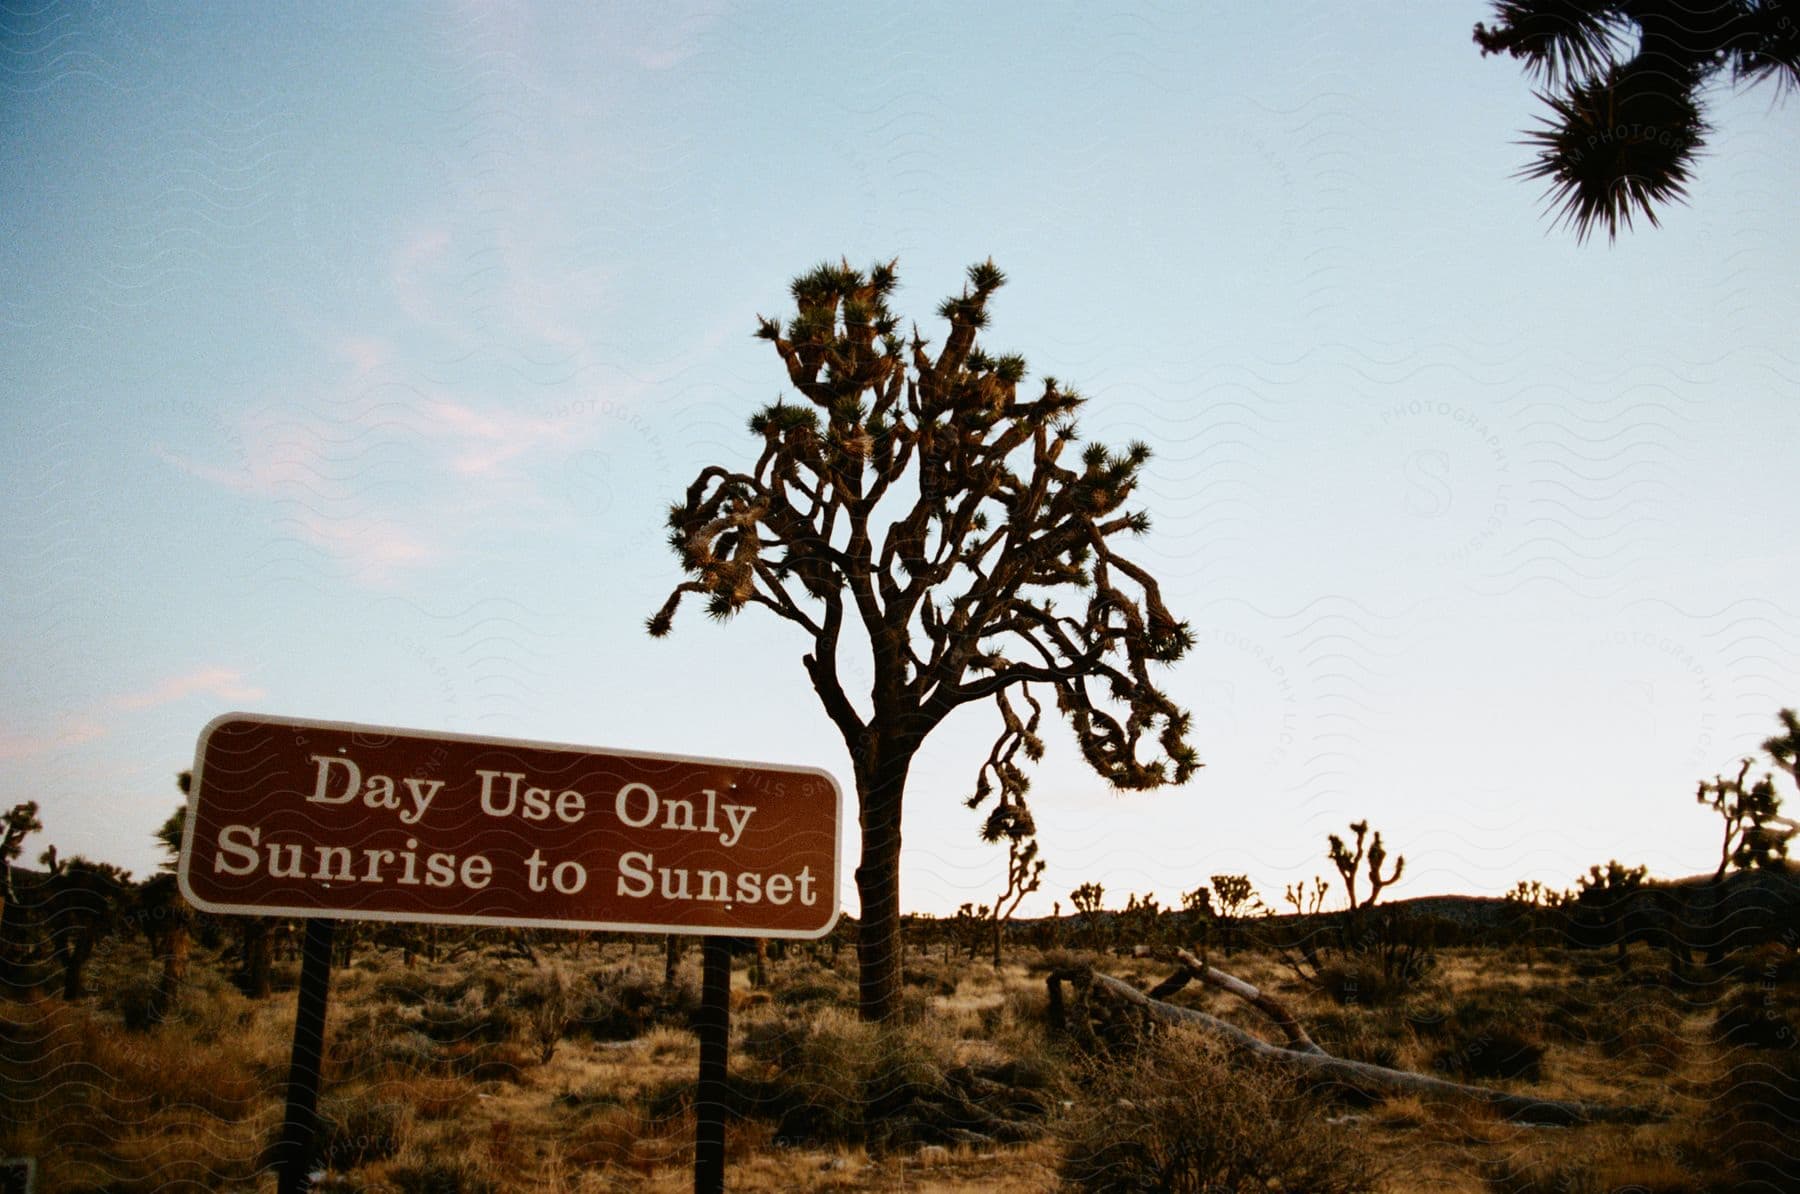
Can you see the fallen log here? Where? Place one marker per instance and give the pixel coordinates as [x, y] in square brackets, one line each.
[1120, 1003]
[1256, 997]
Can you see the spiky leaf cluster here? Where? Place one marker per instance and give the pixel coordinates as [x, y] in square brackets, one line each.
[1621, 82]
[929, 496]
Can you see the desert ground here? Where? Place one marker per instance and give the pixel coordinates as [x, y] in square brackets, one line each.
[562, 1063]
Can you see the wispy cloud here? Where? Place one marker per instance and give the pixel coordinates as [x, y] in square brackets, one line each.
[376, 550]
[218, 683]
[364, 469]
[72, 732]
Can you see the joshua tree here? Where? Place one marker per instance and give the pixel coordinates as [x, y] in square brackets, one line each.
[1347, 864]
[1607, 892]
[1141, 923]
[1746, 811]
[1024, 875]
[18, 823]
[1531, 903]
[954, 600]
[1623, 82]
[84, 900]
[1197, 907]
[1235, 898]
[1087, 898]
[1755, 835]
[1306, 901]
[163, 914]
[1785, 748]
[968, 928]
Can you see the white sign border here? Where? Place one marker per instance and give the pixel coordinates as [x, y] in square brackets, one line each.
[506, 922]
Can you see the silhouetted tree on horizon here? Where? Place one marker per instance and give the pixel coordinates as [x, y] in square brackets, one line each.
[1623, 82]
[954, 599]
[1755, 834]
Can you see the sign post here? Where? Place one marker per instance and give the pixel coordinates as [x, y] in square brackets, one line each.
[715, 1048]
[300, 1126]
[329, 821]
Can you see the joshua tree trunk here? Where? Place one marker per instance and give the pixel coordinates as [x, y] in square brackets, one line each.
[75, 949]
[880, 784]
[175, 947]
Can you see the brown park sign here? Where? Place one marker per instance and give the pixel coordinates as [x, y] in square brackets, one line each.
[314, 818]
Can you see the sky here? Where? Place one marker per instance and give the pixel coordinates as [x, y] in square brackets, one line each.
[350, 358]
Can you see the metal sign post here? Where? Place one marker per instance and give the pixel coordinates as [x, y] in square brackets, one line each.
[715, 1047]
[300, 1127]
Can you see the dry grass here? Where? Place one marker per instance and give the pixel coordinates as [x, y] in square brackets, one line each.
[440, 1080]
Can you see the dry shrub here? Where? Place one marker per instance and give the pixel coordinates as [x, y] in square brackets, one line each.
[489, 1061]
[1496, 1052]
[1749, 1120]
[810, 986]
[820, 1062]
[1487, 1035]
[407, 987]
[544, 1002]
[663, 1044]
[430, 1097]
[1579, 1175]
[360, 1127]
[1770, 963]
[1363, 981]
[1027, 1006]
[623, 1003]
[1186, 1116]
[206, 1005]
[473, 1015]
[932, 978]
[608, 1136]
[55, 1053]
[835, 1080]
[1360, 1036]
[448, 1175]
[169, 1071]
[1627, 1022]
[374, 1042]
[903, 1070]
[175, 1152]
[1754, 1018]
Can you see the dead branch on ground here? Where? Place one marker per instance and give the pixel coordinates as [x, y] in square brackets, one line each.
[1104, 1011]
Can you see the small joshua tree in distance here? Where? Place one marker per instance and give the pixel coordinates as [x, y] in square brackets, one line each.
[1347, 864]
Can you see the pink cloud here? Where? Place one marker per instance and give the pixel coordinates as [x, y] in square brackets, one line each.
[366, 353]
[72, 733]
[220, 683]
[376, 549]
[485, 441]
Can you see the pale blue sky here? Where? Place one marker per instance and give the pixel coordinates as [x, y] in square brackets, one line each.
[350, 358]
